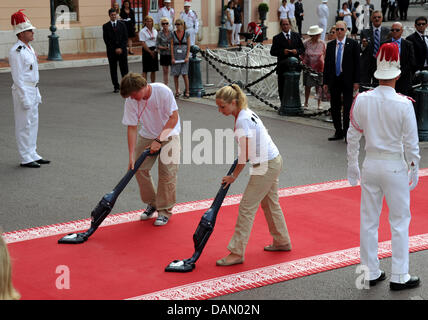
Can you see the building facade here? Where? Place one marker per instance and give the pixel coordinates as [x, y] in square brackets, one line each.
[80, 31]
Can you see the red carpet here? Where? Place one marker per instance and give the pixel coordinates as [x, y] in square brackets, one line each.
[127, 260]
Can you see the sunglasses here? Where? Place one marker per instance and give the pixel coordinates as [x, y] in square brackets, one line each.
[165, 23]
[395, 30]
[377, 17]
[421, 24]
[340, 29]
[178, 24]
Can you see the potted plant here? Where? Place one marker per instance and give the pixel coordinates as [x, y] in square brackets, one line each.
[263, 9]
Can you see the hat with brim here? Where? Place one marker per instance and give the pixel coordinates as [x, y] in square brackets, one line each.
[20, 22]
[388, 62]
[314, 30]
[166, 1]
[187, 4]
[324, 1]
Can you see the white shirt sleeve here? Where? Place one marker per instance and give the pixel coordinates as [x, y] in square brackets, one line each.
[354, 135]
[130, 113]
[410, 136]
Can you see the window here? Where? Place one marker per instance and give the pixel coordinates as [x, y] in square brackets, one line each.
[154, 7]
[72, 5]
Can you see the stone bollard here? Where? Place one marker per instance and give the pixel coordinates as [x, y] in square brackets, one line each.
[290, 102]
[421, 106]
[196, 89]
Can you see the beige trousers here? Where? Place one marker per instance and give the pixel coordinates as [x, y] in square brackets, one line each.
[261, 189]
[165, 197]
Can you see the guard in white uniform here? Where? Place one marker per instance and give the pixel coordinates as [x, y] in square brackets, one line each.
[168, 13]
[25, 93]
[387, 121]
[323, 14]
[191, 19]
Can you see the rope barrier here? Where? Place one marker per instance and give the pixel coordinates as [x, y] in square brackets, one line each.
[312, 73]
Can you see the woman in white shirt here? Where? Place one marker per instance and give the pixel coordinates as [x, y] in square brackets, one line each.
[230, 17]
[148, 37]
[346, 15]
[282, 11]
[256, 146]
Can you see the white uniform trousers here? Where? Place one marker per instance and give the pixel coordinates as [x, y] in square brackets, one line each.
[192, 35]
[26, 128]
[389, 178]
[322, 23]
[235, 33]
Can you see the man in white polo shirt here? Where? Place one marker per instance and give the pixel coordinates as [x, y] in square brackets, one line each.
[154, 107]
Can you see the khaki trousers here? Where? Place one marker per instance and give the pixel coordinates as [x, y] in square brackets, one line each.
[165, 197]
[261, 189]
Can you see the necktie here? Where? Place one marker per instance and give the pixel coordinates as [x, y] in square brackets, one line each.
[288, 37]
[339, 59]
[114, 26]
[398, 42]
[376, 42]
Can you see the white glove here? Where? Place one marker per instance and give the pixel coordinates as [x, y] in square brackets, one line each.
[413, 176]
[353, 174]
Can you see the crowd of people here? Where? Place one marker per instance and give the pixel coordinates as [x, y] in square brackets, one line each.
[161, 44]
[338, 61]
[338, 64]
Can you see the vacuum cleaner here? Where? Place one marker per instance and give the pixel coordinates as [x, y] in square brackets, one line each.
[203, 231]
[105, 205]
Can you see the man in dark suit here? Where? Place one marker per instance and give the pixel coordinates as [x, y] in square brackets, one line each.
[115, 36]
[342, 77]
[407, 60]
[403, 6]
[420, 43]
[371, 39]
[299, 13]
[284, 45]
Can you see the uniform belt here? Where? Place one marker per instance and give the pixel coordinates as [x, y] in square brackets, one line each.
[31, 84]
[384, 155]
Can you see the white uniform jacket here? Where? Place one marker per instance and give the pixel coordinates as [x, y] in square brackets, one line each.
[25, 74]
[191, 20]
[387, 120]
[170, 14]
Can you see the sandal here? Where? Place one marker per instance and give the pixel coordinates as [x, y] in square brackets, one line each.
[177, 94]
[186, 96]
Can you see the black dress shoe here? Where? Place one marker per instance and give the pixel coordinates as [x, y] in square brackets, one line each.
[335, 137]
[43, 161]
[32, 164]
[375, 281]
[413, 282]
[116, 90]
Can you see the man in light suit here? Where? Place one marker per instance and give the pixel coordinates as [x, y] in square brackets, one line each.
[341, 77]
[25, 92]
[284, 45]
[388, 123]
[115, 35]
[371, 39]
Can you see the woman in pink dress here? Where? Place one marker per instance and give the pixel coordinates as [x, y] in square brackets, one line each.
[314, 58]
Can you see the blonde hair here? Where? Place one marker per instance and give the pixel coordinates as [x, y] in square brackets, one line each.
[130, 83]
[233, 92]
[181, 21]
[7, 291]
[148, 18]
[164, 19]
